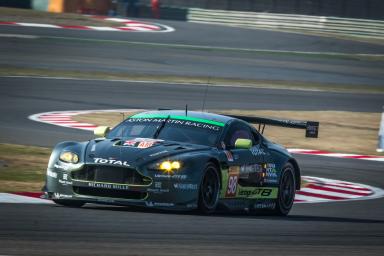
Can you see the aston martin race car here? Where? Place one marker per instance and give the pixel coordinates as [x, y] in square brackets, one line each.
[180, 160]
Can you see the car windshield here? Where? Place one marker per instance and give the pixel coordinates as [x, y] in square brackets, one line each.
[168, 129]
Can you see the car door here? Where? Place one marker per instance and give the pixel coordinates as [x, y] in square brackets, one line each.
[245, 166]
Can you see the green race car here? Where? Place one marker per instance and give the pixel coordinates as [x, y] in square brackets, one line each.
[181, 160]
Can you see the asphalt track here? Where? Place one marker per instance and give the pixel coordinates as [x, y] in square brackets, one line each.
[226, 53]
[353, 228]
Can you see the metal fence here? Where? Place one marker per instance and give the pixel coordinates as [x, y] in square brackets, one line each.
[288, 22]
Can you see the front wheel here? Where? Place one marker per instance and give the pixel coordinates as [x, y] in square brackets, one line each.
[68, 203]
[287, 190]
[209, 190]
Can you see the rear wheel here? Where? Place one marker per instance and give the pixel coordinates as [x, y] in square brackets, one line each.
[68, 203]
[287, 190]
[209, 190]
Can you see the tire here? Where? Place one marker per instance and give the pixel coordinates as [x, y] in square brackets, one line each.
[287, 190]
[209, 190]
[69, 203]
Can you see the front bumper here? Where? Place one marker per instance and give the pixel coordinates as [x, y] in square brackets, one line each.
[142, 188]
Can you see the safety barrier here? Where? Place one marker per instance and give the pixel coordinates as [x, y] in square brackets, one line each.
[380, 146]
[288, 22]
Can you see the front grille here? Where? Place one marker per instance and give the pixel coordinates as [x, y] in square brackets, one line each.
[111, 193]
[111, 174]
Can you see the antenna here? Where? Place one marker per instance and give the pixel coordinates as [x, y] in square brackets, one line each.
[186, 109]
[205, 93]
[122, 129]
[121, 139]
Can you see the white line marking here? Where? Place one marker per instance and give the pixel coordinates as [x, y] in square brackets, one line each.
[19, 36]
[37, 25]
[103, 28]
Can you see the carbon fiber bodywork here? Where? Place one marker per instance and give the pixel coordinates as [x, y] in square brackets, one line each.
[121, 172]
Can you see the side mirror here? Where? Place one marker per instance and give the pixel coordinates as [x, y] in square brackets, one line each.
[243, 144]
[101, 131]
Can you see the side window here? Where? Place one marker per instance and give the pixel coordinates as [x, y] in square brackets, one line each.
[238, 131]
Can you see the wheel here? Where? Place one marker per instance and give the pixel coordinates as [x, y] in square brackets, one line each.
[287, 190]
[69, 203]
[209, 190]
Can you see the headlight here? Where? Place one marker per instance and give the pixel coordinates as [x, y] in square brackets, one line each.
[169, 166]
[69, 157]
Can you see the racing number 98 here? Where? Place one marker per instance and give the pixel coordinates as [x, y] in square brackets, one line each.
[232, 185]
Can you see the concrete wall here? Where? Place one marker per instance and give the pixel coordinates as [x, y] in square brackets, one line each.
[175, 9]
[371, 9]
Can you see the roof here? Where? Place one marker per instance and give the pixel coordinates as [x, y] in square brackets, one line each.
[202, 117]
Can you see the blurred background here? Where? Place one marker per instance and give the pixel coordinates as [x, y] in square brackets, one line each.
[179, 9]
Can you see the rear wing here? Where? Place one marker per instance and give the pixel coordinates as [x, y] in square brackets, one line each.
[311, 127]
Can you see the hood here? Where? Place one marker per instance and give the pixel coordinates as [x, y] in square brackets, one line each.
[134, 152]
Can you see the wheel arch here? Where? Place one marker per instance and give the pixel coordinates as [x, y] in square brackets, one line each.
[217, 164]
[297, 172]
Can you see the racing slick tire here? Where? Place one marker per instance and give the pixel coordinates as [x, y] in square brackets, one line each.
[209, 190]
[287, 190]
[69, 203]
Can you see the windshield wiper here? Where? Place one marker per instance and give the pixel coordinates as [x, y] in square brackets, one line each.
[161, 127]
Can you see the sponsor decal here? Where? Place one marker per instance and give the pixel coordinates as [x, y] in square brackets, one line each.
[257, 151]
[156, 204]
[159, 153]
[169, 176]
[269, 180]
[65, 176]
[110, 161]
[65, 182]
[229, 155]
[105, 200]
[158, 184]
[271, 174]
[157, 190]
[61, 196]
[61, 167]
[258, 192]
[185, 186]
[141, 142]
[146, 144]
[177, 122]
[250, 168]
[108, 185]
[271, 169]
[233, 178]
[93, 149]
[192, 205]
[265, 205]
[51, 174]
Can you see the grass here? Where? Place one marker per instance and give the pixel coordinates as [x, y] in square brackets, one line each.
[340, 131]
[271, 84]
[22, 168]
[31, 16]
